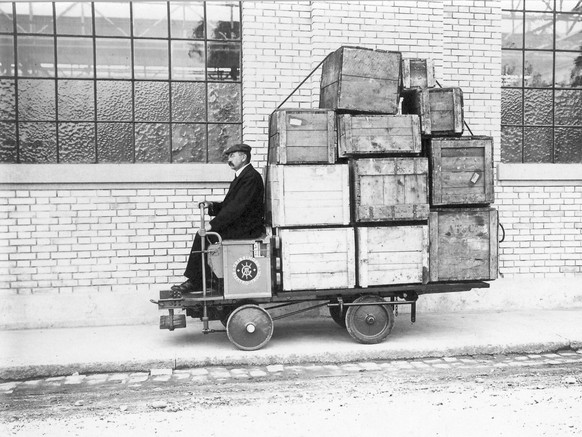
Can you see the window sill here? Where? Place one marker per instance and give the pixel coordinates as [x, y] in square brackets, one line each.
[539, 174]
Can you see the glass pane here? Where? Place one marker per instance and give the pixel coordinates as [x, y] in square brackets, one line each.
[188, 101]
[38, 142]
[7, 99]
[511, 106]
[74, 18]
[75, 57]
[188, 60]
[114, 101]
[188, 143]
[539, 5]
[220, 138]
[36, 56]
[115, 142]
[538, 107]
[511, 68]
[568, 107]
[113, 58]
[223, 61]
[224, 102]
[150, 20]
[76, 100]
[187, 20]
[539, 31]
[569, 6]
[223, 20]
[152, 142]
[6, 56]
[6, 22]
[152, 101]
[77, 142]
[512, 30]
[34, 17]
[112, 19]
[538, 69]
[568, 145]
[511, 143]
[537, 144]
[151, 59]
[36, 100]
[569, 31]
[569, 69]
[8, 142]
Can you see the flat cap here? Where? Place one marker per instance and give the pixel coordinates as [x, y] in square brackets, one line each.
[238, 148]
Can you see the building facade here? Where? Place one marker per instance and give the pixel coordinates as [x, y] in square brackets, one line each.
[114, 116]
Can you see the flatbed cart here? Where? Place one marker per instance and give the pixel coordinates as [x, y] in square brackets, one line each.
[239, 291]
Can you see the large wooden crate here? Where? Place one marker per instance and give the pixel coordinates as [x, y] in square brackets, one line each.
[418, 73]
[372, 134]
[363, 80]
[440, 109]
[462, 170]
[308, 195]
[315, 259]
[390, 189]
[298, 136]
[463, 244]
[392, 255]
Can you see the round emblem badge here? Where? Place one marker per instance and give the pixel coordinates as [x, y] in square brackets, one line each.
[246, 270]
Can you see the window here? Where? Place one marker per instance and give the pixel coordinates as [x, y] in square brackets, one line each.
[113, 82]
[541, 103]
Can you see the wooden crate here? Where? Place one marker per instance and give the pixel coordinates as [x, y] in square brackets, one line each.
[298, 136]
[390, 189]
[363, 80]
[371, 134]
[463, 244]
[440, 109]
[418, 73]
[308, 195]
[315, 259]
[392, 255]
[462, 170]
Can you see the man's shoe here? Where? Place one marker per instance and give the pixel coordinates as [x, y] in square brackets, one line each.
[185, 287]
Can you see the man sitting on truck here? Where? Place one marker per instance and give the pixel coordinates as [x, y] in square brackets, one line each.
[239, 216]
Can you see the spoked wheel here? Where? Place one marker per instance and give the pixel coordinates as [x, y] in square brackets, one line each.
[249, 327]
[369, 323]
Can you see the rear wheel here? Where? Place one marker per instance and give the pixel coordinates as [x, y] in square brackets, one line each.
[369, 324]
[249, 327]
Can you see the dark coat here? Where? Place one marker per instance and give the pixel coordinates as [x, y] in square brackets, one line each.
[241, 214]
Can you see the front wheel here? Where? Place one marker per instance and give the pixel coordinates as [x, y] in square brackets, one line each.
[249, 327]
[369, 324]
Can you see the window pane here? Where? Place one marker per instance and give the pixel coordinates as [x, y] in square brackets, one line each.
[511, 68]
[38, 142]
[74, 18]
[220, 137]
[112, 19]
[188, 101]
[77, 142]
[511, 106]
[151, 59]
[539, 5]
[36, 100]
[537, 144]
[224, 102]
[75, 57]
[113, 58]
[36, 56]
[511, 144]
[568, 5]
[152, 101]
[569, 107]
[76, 100]
[7, 99]
[187, 20]
[538, 107]
[150, 20]
[188, 60]
[34, 17]
[6, 22]
[188, 142]
[114, 101]
[512, 30]
[115, 142]
[6, 56]
[538, 69]
[569, 31]
[568, 144]
[223, 20]
[8, 151]
[569, 69]
[539, 31]
[152, 142]
[223, 61]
